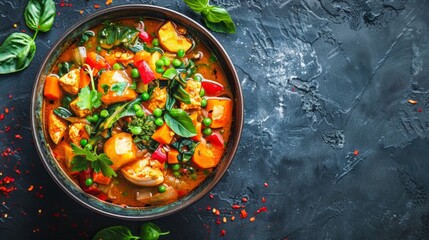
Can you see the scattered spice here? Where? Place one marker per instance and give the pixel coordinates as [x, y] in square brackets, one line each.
[222, 232]
[262, 209]
[232, 218]
[356, 152]
[265, 184]
[411, 101]
[17, 136]
[15, 25]
[224, 219]
[211, 196]
[1, 116]
[263, 199]
[80, 12]
[244, 199]
[252, 219]
[243, 213]
[108, 2]
[96, 6]
[235, 206]
[30, 188]
[419, 110]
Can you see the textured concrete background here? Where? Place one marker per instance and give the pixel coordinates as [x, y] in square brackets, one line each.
[328, 126]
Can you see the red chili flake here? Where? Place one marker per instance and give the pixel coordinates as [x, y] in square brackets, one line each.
[265, 184]
[243, 213]
[236, 206]
[222, 232]
[356, 152]
[232, 218]
[7, 180]
[411, 101]
[56, 214]
[1, 116]
[419, 110]
[96, 6]
[208, 208]
[10, 96]
[263, 199]
[18, 171]
[30, 188]
[17, 136]
[293, 89]
[23, 30]
[39, 195]
[252, 219]
[218, 221]
[62, 3]
[262, 209]
[244, 199]
[217, 213]
[211, 196]
[108, 2]
[6, 110]
[7, 129]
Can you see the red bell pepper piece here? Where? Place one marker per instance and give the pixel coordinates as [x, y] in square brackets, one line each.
[215, 139]
[91, 189]
[96, 61]
[146, 73]
[212, 88]
[145, 37]
[159, 154]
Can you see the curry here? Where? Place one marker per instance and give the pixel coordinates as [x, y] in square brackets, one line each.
[138, 112]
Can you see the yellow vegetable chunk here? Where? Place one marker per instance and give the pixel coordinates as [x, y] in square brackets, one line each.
[76, 110]
[56, 127]
[121, 149]
[121, 82]
[70, 81]
[171, 40]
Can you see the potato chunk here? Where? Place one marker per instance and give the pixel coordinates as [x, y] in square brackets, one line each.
[118, 84]
[77, 132]
[70, 81]
[121, 149]
[76, 110]
[56, 127]
[193, 88]
[171, 40]
[157, 99]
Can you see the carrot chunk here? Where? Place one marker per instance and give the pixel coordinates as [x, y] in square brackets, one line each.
[163, 134]
[52, 89]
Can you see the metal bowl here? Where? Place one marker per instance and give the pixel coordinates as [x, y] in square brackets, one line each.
[42, 143]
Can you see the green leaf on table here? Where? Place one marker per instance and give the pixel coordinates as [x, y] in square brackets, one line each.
[218, 19]
[16, 53]
[197, 5]
[150, 231]
[40, 15]
[180, 122]
[115, 233]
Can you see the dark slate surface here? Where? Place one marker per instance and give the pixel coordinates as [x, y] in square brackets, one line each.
[328, 126]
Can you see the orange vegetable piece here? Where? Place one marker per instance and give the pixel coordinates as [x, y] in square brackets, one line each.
[220, 111]
[199, 134]
[99, 177]
[206, 155]
[110, 78]
[52, 89]
[172, 156]
[142, 55]
[163, 134]
[84, 79]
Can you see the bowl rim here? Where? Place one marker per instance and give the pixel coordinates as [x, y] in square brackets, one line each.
[237, 121]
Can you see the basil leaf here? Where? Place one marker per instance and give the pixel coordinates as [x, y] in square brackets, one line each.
[170, 102]
[120, 112]
[150, 231]
[63, 112]
[197, 5]
[115, 233]
[182, 95]
[16, 53]
[40, 14]
[170, 73]
[115, 35]
[218, 19]
[180, 122]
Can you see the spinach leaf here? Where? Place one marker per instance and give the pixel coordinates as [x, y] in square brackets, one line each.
[115, 233]
[197, 5]
[150, 231]
[180, 122]
[170, 102]
[64, 68]
[120, 112]
[170, 73]
[186, 148]
[40, 15]
[63, 112]
[218, 19]
[114, 35]
[16, 53]
[182, 95]
[85, 37]
[215, 18]
[66, 100]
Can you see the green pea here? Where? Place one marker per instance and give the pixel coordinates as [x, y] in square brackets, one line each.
[95, 118]
[203, 102]
[207, 131]
[88, 146]
[162, 188]
[198, 78]
[202, 92]
[104, 113]
[176, 174]
[137, 107]
[89, 118]
[194, 176]
[98, 49]
[207, 122]
[140, 113]
[136, 130]
[157, 112]
[135, 73]
[159, 70]
[155, 42]
[181, 53]
[145, 96]
[89, 182]
[175, 167]
[159, 63]
[159, 121]
[117, 66]
[176, 63]
[83, 142]
[166, 60]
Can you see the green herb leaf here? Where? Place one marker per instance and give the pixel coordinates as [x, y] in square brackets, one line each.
[85, 37]
[180, 122]
[182, 95]
[40, 15]
[105, 88]
[98, 162]
[89, 99]
[170, 73]
[115, 233]
[105, 163]
[114, 35]
[150, 231]
[16, 53]
[120, 112]
[197, 5]
[186, 148]
[119, 88]
[79, 163]
[218, 19]
[62, 112]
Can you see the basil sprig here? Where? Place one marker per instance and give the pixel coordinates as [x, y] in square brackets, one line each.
[18, 50]
[148, 231]
[216, 18]
[180, 122]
